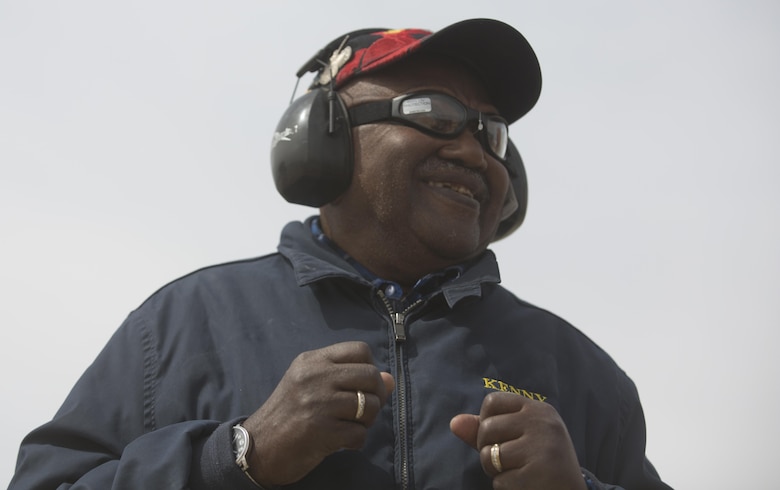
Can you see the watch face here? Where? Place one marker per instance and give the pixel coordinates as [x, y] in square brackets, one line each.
[239, 441]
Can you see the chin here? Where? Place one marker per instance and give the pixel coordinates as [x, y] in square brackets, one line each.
[453, 237]
[455, 245]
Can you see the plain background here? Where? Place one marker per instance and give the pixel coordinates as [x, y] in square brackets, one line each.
[134, 142]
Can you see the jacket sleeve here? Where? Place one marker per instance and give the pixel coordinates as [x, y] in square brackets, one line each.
[630, 468]
[105, 434]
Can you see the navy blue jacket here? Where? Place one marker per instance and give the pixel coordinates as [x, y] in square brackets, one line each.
[154, 410]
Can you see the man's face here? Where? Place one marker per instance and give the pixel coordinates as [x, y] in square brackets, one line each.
[413, 194]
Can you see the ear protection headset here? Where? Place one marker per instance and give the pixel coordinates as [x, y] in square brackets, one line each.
[311, 151]
[312, 156]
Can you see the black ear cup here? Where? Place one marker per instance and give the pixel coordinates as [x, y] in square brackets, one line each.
[519, 182]
[311, 151]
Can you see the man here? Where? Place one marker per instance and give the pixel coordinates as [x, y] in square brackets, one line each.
[376, 348]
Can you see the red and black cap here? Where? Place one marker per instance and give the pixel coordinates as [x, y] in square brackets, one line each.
[498, 53]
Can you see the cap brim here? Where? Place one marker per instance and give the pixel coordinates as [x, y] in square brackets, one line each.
[502, 57]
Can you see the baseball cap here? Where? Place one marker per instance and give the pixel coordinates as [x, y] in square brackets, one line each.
[498, 53]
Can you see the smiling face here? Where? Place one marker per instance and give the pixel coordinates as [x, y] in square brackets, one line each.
[417, 203]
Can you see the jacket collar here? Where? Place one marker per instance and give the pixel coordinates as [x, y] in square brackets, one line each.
[312, 262]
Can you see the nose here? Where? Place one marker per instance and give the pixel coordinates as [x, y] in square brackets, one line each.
[467, 149]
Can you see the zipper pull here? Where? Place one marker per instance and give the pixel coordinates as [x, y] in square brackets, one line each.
[399, 327]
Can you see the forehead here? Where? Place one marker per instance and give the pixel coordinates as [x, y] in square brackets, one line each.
[423, 72]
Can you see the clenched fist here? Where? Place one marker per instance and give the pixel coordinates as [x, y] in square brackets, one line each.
[534, 449]
[312, 412]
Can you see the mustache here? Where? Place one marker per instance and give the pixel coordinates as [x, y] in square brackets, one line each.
[438, 169]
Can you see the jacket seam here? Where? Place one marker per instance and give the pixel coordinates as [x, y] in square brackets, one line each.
[196, 272]
[151, 368]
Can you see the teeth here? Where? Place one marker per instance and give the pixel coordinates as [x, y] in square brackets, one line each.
[455, 187]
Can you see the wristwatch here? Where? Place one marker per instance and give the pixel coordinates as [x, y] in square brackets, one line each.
[242, 446]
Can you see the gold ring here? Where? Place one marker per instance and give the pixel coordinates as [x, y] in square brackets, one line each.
[361, 405]
[495, 457]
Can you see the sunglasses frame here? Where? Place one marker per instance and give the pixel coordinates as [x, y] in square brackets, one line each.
[390, 110]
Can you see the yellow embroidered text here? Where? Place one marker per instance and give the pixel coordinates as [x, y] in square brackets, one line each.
[498, 385]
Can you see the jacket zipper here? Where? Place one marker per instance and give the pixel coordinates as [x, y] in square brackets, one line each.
[399, 329]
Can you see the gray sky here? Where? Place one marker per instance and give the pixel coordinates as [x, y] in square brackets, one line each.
[134, 142]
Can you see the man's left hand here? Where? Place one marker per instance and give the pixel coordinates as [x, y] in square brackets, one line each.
[534, 447]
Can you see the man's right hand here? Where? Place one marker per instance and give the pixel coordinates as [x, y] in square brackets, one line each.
[311, 413]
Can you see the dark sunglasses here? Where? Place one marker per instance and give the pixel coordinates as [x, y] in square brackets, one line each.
[439, 115]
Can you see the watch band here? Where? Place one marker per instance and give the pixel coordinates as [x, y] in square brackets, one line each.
[242, 446]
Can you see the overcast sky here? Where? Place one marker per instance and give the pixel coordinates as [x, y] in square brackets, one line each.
[134, 142]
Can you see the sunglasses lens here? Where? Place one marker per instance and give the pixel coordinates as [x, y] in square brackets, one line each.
[497, 136]
[445, 116]
[435, 112]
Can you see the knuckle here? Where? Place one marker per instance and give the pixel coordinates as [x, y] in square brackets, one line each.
[305, 357]
[496, 402]
[488, 425]
[372, 373]
[362, 349]
[491, 400]
[547, 411]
